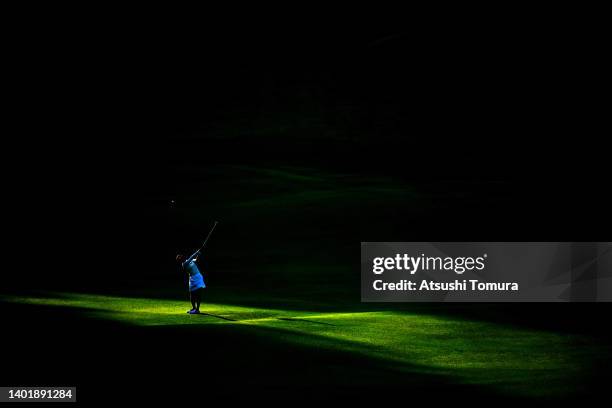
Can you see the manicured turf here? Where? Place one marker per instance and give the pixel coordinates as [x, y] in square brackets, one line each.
[282, 309]
[506, 359]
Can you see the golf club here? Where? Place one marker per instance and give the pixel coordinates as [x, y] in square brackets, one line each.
[206, 240]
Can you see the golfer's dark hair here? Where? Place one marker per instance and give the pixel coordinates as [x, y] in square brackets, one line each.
[180, 257]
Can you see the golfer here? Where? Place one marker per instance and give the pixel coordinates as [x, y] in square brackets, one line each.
[196, 280]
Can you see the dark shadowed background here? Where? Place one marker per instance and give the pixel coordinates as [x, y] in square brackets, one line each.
[303, 135]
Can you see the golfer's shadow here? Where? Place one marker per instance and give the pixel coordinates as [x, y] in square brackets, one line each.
[217, 316]
[293, 319]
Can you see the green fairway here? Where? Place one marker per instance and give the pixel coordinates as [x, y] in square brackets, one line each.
[504, 358]
[283, 309]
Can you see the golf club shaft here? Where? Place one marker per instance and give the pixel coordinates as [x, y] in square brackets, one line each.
[206, 240]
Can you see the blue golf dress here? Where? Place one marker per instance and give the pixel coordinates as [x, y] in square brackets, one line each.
[196, 280]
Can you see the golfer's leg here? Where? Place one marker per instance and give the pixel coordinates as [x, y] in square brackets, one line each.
[192, 297]
[198, 299]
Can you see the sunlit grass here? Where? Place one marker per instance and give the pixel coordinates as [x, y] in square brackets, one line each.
[516, 360]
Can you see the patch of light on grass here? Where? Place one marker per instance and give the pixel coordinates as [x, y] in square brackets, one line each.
[467, 350]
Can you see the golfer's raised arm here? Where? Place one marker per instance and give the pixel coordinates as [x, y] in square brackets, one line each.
[194, 255]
